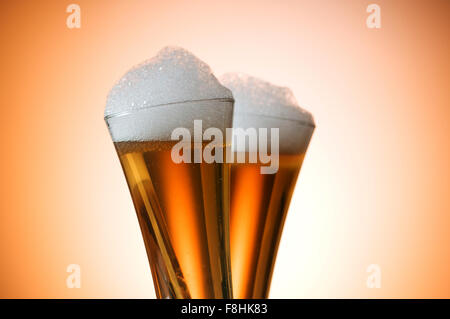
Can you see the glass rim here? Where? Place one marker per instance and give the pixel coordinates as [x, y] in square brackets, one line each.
[311, 124]
[144, 108]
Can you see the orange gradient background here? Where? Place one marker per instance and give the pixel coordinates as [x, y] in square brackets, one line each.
[374, 187]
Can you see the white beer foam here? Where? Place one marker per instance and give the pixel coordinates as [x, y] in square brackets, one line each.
[260, 104]
[150, 98]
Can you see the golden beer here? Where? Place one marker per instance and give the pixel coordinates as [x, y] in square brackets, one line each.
[259, 204]
[182, 202]
[261, 188]
[183, 214]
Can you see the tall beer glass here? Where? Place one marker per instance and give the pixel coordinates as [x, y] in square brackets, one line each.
[260, 201]
[259, 204]
[182, 208]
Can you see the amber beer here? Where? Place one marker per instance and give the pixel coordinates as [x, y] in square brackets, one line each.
[259, 205]
[182, 210]
[182, 207]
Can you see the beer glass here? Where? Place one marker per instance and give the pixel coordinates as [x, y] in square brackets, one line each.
[259, 203]
[182, 208]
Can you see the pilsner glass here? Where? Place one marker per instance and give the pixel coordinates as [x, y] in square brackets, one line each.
[259, 204]
[183, 209]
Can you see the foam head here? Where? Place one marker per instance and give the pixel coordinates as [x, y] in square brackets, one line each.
[170, 89]
[260, 104]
